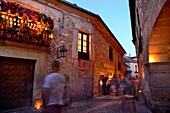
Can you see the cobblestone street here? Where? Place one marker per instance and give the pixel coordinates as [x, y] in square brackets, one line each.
[103, 104]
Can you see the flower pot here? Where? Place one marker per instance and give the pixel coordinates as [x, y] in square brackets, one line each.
[38, 19]
[2, 33]
[9, 35]
[15, 36]
[4, 9]
[13, 12]
[44, 21]
[20, 14]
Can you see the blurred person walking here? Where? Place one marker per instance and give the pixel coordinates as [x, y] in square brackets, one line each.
[127, 91]
[53, 90]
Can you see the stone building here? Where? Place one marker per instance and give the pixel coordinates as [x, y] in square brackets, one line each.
[32, 34]
[151, 37]
[132, 65]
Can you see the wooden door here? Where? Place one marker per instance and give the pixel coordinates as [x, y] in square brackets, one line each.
[16, 82]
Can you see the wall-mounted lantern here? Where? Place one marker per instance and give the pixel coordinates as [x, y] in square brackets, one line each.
[61, 52]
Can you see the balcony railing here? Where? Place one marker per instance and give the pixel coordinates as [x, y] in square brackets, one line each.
[18, 23]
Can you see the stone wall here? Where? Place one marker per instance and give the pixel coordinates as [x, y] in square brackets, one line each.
[102, 64]
[155, 75]
[159, 85]
[83, 74]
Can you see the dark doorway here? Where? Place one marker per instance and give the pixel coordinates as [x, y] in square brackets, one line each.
[16, 82]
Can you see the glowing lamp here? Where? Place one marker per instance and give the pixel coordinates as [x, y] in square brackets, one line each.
[19, 17]
[51, 36]
[38, 103]
[29, 20]
[14, 19]
[22, 21]
[151, 59]
[61, 52]
[12, 15]
[3, 16]
[38, 22]
[4, 12]
[10, 19]
[101, 83]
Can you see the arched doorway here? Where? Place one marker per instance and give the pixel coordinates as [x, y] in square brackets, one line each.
[159, 45]
[159, 60]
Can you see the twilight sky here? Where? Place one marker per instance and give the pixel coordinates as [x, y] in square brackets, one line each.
[115, 14]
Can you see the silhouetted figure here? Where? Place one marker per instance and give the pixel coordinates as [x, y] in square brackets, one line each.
[108, 85]
[104, 80]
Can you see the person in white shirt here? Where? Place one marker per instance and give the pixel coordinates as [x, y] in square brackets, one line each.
[127, 90]
[53, 90]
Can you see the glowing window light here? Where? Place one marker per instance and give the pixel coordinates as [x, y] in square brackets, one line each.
[6, 17]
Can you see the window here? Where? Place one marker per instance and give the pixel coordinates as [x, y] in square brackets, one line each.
[84, 46]
[111, 53]
[119, 63]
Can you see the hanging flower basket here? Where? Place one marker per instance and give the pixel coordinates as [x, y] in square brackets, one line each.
[20, 14]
